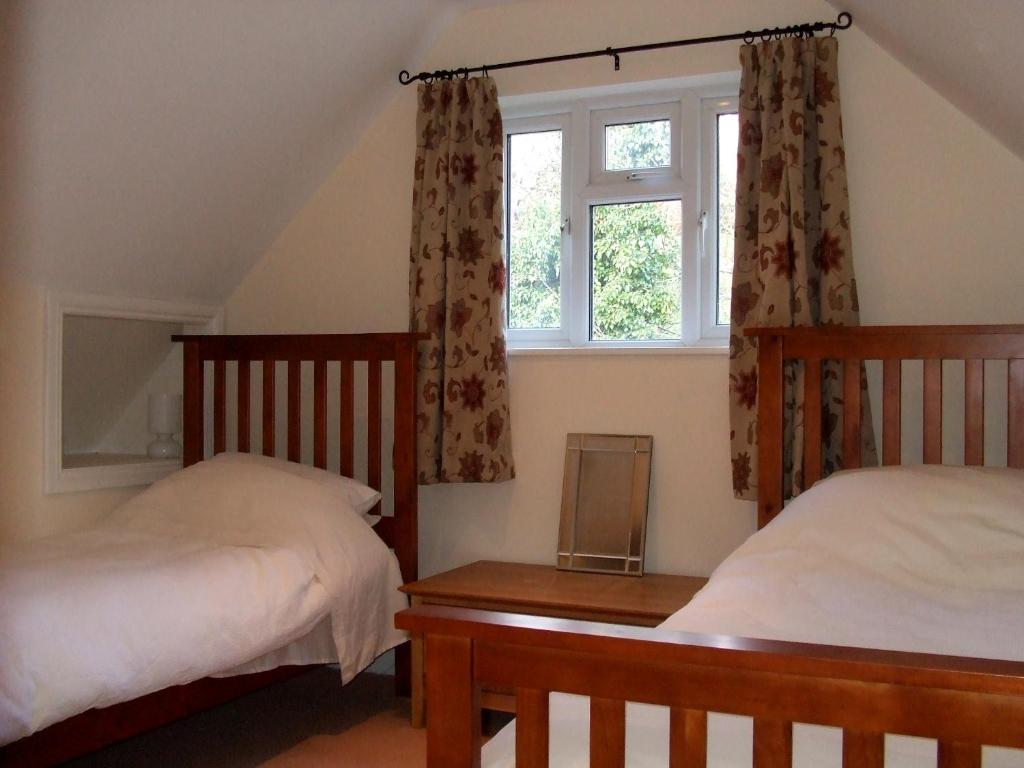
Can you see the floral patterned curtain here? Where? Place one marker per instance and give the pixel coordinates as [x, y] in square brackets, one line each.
[457, 284]
[793, 262]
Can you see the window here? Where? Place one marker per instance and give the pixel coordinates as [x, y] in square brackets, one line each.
[619, 215]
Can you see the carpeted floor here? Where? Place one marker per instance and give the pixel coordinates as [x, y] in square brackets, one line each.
[306, 722]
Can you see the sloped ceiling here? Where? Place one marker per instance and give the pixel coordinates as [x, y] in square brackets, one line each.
[970, 52]
[157, 148]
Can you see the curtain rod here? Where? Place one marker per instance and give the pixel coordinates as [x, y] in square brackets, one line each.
[843, 21]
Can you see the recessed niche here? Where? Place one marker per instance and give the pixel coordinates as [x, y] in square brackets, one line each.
[106, 358]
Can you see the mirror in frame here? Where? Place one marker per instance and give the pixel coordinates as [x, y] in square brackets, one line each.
[605, 489]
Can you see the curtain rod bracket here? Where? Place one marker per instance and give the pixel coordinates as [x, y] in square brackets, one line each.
[615, 57]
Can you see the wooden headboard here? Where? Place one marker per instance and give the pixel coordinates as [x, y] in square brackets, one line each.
[399, 531]
[973, 344]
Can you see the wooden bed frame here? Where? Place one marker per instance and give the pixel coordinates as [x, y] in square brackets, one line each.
[961, 702]
[97, 728]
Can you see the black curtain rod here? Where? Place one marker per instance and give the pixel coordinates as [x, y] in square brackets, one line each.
[843, 21]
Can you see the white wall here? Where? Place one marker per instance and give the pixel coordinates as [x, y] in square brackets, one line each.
[935, 213]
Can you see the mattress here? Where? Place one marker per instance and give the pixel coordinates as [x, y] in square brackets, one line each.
[927, 559]
[218, 566]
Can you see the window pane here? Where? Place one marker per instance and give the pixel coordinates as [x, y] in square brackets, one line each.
[534, 229]
[728, 146]
[638, 145]
[636, 270]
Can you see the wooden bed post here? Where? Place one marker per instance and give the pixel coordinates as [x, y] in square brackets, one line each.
[769, 429]
[192, 404]
[406, 530]
[406, 538]
[453, 699]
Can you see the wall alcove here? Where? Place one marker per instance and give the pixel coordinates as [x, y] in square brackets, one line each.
[105, 356]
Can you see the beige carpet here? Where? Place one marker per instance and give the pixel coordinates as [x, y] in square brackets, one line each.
[307, 721]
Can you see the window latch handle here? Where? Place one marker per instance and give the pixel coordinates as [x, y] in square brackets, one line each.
[702, 228]
[641, 175]
[565, 226]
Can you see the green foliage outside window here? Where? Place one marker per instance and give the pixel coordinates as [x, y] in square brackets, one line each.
[638, 145]
[535, 218]
[636, 271]
[636, 254]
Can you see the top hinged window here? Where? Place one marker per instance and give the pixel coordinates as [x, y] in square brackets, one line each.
[634, 143]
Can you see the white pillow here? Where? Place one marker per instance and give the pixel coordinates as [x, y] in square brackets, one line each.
[361, 497]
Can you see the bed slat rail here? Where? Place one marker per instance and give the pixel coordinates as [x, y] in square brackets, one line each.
[961, 702]
[817, 347]
[374, 350]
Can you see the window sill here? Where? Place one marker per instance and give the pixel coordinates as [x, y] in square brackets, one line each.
[702, 350]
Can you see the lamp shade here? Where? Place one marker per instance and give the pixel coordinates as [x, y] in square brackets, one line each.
[164, 413]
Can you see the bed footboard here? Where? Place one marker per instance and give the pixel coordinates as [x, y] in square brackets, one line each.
[961, 702]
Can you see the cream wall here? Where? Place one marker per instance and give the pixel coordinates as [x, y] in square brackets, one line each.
[25, 512]
[935, 208]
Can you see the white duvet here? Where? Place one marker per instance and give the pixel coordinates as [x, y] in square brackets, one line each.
[207, 570]
[924, 559]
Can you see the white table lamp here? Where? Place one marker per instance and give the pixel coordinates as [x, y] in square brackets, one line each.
[165, 423]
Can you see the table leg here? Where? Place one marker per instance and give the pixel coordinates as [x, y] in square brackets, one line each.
[418, 679]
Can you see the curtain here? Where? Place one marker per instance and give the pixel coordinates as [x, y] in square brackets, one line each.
[457, 284]
[793, 261]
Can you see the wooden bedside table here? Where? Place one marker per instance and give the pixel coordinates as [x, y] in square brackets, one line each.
[543, 590]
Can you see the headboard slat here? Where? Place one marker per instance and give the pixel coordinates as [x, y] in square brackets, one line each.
[770, 421]
[347, 426]
[294, 410]
[373, 396]
[192, 406]
[219, 406]
[1015, 398]
[269, 399]
[953, 754]
[320, 414]
[864, 750]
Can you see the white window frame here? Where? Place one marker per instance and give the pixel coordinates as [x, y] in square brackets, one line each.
[711, 109]
[601, 119]
[582, 115]
[537, 124]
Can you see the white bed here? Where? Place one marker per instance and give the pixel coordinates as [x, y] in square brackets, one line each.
[927, 559]
[232, 565]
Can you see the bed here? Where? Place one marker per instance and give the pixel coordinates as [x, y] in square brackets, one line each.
[233, 573]
[878, 620]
